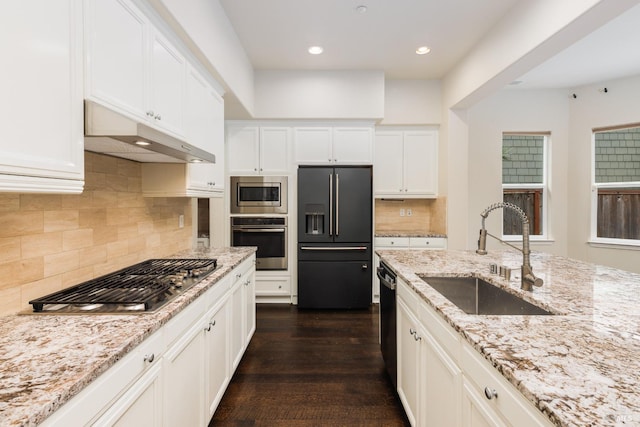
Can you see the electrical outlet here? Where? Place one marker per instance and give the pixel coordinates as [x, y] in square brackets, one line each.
[402, 212]
[409, 212]
[181, 221]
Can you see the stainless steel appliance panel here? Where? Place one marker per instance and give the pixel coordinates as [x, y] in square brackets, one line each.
[258, 194]
[268, 234]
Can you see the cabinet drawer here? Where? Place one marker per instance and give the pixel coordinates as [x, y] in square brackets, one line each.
[428, 242]
[217, 291]
[446, 336]
[509, 402]
[181, 322]
[94, 399]
[273, 286]
[391, 241]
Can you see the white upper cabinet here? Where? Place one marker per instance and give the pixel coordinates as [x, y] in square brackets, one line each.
[406, 164]
[131, 67]
[167, 85]
[255, 150]
[42, 145]
[333, 145]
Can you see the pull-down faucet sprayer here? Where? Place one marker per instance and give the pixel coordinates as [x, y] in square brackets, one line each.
[528, 279]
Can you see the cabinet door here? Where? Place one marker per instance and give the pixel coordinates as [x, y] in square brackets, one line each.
[408, 357]
[242, 150]
[389, 163]
[274, 150]
[183, 366]
[215, 132]
[441, 380]
[141, 405]
[217, 357]
[41, 112]
[236, 332]
[475, 412]
[249, 284]
[167, 91]
[116, 55]
[353, 146]
[420, 163]
[313, 145]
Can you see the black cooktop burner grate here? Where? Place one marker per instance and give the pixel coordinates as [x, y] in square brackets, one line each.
[147, 284]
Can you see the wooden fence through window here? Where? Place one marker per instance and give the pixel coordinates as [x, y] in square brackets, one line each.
[530, 201]
[619, 213]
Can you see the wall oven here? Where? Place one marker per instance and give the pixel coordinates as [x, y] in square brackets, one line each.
[269, 234]
[258, 194]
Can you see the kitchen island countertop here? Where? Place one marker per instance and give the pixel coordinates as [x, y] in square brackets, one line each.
[46, 359]
[580, 367]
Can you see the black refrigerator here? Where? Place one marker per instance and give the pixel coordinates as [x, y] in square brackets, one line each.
[335, 210]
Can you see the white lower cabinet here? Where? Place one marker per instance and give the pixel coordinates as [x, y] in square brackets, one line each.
[183, 400]
[217, 364]
[178, 375]
[444, 381]
[243, 313]
[428, 378]
[140, 405]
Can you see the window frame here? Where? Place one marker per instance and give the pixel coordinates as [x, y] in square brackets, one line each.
[595, 187]
[544, 186]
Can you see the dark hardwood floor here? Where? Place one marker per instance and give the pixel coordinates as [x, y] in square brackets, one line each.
[311, 368]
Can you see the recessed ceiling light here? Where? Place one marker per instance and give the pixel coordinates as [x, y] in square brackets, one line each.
[423, 50]
[316, 50]
[142, 143]
[361, 9]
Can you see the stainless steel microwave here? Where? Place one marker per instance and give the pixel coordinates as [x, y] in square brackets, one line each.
[258, 194]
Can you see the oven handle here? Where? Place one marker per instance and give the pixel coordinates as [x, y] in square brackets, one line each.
[384, 281]
[333, 248]
[260, 230]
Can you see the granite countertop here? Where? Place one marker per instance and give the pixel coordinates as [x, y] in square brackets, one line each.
[580, 367]
[407, 234]
[47, 359]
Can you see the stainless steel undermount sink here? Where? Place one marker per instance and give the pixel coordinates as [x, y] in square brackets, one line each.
[476, 296]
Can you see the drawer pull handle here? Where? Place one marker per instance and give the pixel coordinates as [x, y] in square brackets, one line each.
[208, 328]
[490, 393]
[149, 357]
[412, 331]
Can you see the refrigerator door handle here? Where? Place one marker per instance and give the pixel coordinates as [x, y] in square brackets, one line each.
[337, 205]
[331, 204]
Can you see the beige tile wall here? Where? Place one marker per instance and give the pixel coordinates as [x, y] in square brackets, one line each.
[50, 242]
[428, 216]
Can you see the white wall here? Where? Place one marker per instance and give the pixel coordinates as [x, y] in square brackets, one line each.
[592, 109]
[518, 111]
[319, 95]
[411, 102]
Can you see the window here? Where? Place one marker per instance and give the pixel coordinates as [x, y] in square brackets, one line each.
[524, 182]
[616, 185]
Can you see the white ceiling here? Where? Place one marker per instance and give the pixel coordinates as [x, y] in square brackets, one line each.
[277, 33]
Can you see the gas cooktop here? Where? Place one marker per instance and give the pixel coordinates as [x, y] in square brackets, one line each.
[140, 288]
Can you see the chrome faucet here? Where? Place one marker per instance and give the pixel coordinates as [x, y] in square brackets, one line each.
[528, 279]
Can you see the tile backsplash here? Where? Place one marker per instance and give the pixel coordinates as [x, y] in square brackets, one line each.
[427, 216]
[49, 241]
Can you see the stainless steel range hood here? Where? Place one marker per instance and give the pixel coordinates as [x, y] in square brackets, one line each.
[109, 132]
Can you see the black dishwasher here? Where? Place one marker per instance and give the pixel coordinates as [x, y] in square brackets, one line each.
[388, 319]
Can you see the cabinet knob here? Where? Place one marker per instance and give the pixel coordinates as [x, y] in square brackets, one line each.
[490, 393]
[158, 117]
[149, 357]
[150, 113]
